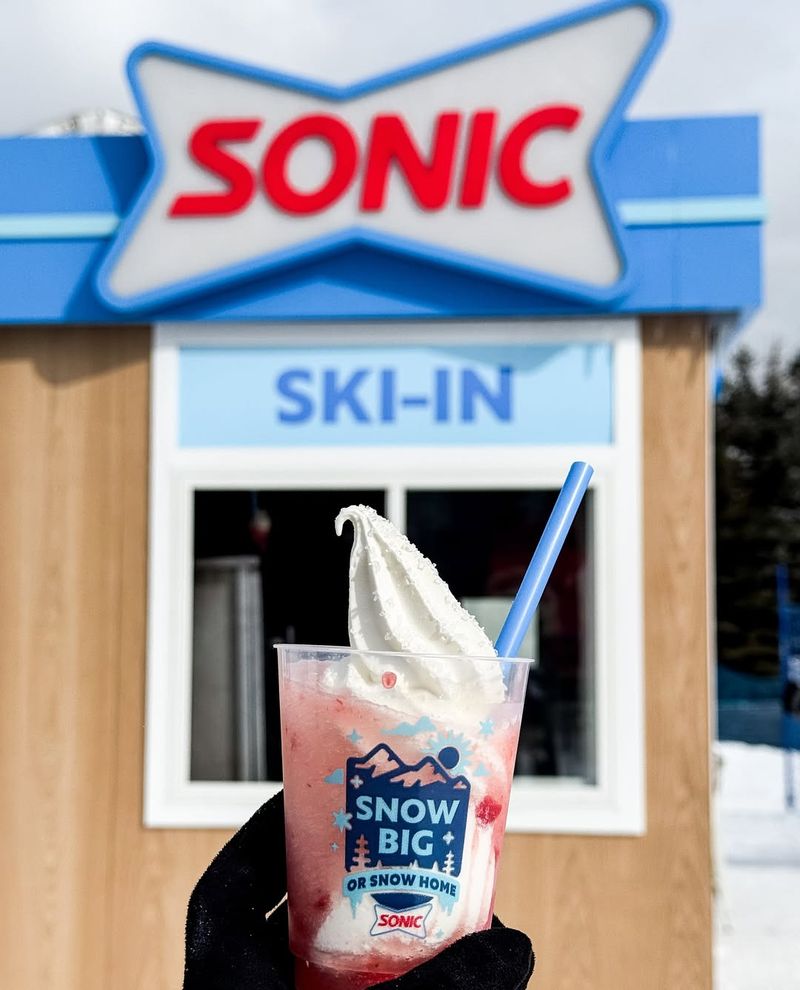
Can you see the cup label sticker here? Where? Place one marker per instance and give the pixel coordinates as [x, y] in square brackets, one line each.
[404, 836]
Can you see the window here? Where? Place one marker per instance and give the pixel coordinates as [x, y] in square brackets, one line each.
[244, 554]
[482, 543]
[268, 568]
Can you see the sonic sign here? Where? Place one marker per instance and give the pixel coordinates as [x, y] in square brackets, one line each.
[489, 158]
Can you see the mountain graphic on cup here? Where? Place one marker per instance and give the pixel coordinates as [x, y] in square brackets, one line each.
[405, 815]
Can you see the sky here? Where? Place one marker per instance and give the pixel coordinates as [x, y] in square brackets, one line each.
[58, 57]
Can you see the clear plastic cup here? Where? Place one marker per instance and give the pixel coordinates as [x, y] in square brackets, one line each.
[397, 771]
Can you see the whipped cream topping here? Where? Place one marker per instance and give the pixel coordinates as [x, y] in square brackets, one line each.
[400, 604]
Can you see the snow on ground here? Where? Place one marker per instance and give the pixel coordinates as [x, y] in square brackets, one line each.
[757, 943]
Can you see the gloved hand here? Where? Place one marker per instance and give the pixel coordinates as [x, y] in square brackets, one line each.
[231, 945]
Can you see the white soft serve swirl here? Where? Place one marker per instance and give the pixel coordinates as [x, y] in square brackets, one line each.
[398, 603]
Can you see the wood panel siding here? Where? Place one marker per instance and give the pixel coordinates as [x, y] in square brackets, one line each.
[635, 913]
[90, 899]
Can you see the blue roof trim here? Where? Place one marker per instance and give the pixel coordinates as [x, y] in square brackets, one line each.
[324, 247]
[70, 174]
[694, 156]
[679, 267]
[57, 226]
[690, 269]
[693, 210]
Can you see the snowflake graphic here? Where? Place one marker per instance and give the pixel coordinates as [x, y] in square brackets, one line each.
[487, 727]
[356, 782]
[448, 837]
[441, 740]
[341, 819]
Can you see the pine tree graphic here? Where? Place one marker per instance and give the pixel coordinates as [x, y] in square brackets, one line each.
[361, 858]
[448, 863]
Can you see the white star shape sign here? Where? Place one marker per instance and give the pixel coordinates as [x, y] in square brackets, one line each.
[490, 159]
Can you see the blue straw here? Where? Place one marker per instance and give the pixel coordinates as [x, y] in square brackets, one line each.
[544, 557]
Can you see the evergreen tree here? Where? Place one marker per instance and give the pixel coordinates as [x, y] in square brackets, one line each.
[448, 863]
[361, 859]
[758, 505]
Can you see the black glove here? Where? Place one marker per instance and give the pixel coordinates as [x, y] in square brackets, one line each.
[232, 945]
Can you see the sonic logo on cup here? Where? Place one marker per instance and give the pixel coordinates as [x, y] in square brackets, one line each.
[405, 843]
[410, 922]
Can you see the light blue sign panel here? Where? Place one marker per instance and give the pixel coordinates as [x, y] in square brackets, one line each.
[278, 396]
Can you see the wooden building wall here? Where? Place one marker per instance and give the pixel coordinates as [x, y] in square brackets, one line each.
[89, 899]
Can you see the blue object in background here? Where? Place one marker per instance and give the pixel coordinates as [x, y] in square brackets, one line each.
[789, 648]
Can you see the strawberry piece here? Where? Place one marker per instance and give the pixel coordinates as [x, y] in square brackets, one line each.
[488, 810]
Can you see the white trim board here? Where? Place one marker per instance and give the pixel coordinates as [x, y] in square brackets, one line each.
[616, 805]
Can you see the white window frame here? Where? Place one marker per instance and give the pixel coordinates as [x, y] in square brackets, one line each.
[613, 806]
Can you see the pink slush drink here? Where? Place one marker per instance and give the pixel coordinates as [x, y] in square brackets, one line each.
[397, 772]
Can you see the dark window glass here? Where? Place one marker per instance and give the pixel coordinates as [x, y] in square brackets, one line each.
[268, 568]
[482, 542]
